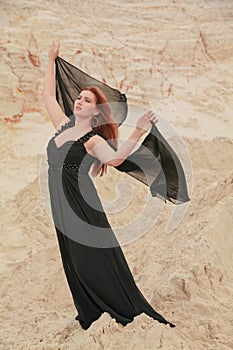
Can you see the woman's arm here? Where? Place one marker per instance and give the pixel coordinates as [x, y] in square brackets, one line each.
[54, 110]
[100, 149]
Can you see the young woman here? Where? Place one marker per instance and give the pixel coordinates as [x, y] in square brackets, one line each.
[97, 272]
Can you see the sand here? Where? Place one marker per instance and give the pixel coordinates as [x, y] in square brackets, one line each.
[173, 57]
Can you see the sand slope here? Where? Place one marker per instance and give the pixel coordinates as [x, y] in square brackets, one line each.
[176, 58]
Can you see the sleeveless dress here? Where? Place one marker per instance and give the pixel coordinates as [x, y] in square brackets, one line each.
[97, 272]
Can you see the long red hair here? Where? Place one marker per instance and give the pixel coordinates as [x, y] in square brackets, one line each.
[106, 125]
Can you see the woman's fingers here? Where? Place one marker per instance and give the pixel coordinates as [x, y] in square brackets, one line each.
[56, 44]
[54, 49]
[145, 121]
[154, 119]
[151, 116]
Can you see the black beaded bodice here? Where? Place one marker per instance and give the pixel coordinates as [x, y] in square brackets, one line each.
[71, 155]
[68, 125]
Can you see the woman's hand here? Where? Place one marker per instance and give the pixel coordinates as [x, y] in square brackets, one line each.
[99, 148]
[55, 112]
[144, 123]
[54, 50]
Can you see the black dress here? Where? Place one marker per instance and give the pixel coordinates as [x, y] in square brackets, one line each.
[96, 270]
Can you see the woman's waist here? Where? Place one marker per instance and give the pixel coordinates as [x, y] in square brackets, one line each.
[69, 166]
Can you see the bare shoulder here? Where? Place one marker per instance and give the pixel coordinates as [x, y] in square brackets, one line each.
[94, 141]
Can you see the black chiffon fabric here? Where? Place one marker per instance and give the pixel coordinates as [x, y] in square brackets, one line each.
[70, 80]
[96, 270]
[155, 163]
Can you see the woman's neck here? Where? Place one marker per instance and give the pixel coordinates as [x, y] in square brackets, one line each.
[82, 124]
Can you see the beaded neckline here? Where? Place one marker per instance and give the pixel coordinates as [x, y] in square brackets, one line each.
[68, 125]
[86, 137]
[81, 140]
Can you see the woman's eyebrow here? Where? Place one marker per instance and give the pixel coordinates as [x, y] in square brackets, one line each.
[85, 97]
[88, 98]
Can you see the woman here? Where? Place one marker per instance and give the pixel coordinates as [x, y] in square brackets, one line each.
[96, 270]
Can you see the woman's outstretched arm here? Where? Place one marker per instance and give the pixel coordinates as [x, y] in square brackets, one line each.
[54, 110]
[100, 149]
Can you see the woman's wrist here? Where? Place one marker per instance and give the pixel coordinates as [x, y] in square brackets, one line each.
[139, 131]
[137, 134]
[51, 58]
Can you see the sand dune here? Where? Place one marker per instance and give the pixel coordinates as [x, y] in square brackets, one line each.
[176, 58]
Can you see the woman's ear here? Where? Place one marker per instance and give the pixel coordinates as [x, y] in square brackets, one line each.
[96, 112]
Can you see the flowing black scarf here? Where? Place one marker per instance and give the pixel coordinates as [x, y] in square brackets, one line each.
[154, 163]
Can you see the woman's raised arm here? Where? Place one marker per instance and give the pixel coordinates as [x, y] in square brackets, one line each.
[54, 110]
[100, 149]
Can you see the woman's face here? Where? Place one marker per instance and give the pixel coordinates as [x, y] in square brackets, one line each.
[85, 104]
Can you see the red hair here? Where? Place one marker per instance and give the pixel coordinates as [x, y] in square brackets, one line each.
[106, 125]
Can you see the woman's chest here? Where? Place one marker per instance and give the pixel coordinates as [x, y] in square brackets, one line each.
[70, 134]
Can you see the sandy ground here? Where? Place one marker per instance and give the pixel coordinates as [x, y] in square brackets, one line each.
[177, 59]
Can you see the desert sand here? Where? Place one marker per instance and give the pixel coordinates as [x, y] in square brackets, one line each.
[177, 58]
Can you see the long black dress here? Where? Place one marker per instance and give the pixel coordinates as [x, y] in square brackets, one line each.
[96, 270]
